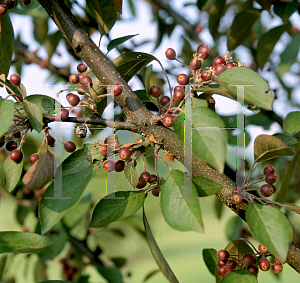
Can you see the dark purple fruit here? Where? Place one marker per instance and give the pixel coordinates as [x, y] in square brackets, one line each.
[164, 100]
[262, 249]
[118, 90]
[34, 157]
[155, 91]
[178, 95]
[9, 3]
[264, 264]
[218, 60]
[73, 99]
[195, 65]
[2, 141]
[253, 269]
[277, 268]
[204, 51]
[15, 79]
[16, 155]
[11, 145]
[270, 178]
[219, 69]
[69, 146]
[109, 166]
[168, 120]
[153, 179]
[155, 191]
[119, 166]
[183, 79]
[86, 80]
[105, 149]
[145, 176]
[222, 270]
[231, 264]
[266, 190]
[221, 263]
[141, 184]
[3, 9]
[237, 198]
[206, 76]
[269, 169]
[124, 153]
[74, 79]
[223, 255]
[50, 141]
[63, 114]
[170, 54]
[81, 68]
[81, 90]
[248, 259]
[230, 65]
[26, 2]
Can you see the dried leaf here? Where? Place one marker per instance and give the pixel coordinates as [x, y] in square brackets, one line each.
[113, 141]
[40, 173]
[169, 156]
[128, 144]
[138, 141]
[152, 138]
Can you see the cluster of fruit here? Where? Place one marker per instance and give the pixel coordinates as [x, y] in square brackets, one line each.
[265, 190]
[9, 4]
[253, 263]
[126, 156]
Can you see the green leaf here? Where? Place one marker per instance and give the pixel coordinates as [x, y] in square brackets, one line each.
[51, 42]
[215, 13]
[270, 227]
[73, 217]
[233, 227]
[199, 103]
[12, 173]
[287, 57]
[55, 281]
[6, 44]
[157, 254]
[40, 30]
[147, 76]
[241, 27]
[285, 9]
[180, 213]
[206, 187]
[105, 13]
[111, 273]
[128, 64]
[210, 259]
[35, 115]
[289, 140]
[267, 147]
[76, 175]
[110, 209]
[117, 41]
[265, 4]
[40, 173]
[255, 90]
[240, 276]
[59, 237]
[209, 139]
[202, 3]
[43, 102]
[22, 242]
[142, 94]
[6, 115]
[16, 90]
[267, 43]
[291, 123]
[131, 174]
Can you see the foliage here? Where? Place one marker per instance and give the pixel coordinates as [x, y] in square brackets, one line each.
[72, 205]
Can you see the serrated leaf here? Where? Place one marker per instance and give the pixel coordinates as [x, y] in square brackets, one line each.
[206, 187]
[110, 209]
[6, 115]
[180, 213]
[157, 254]
[43, 102]
[240, 27]
[131, 174]
[291, 123]
[210, 259]
[6, 44]
[40, 173]
[240, 276]
[104, 12]
[77, 171]
[255, 87]
[117, 41]
[128, 64]
[12, 173]
[267, 147]
[287, 57]
[267, 43]
[215, 13]
[209, 141]
[34, 114]
[22, 242]
[270, 227]
[285, 9]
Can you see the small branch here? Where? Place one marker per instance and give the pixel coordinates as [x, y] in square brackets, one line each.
[94, 121]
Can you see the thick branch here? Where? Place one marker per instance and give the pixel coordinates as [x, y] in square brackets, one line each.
[137, 113]
[95, 121]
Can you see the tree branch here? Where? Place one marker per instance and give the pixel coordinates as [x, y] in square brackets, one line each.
[136, 112]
